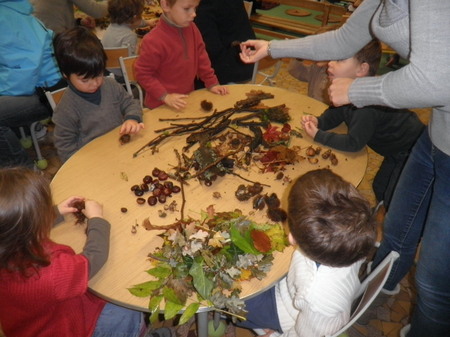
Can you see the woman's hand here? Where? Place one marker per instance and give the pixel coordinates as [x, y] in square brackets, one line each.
[253, 50]
[338, 91]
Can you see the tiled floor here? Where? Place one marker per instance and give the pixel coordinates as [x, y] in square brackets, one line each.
[389, 314]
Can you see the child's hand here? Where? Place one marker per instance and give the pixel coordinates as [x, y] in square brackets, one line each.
[130, 126]
[268, 332]
[92, 209]
[65, 208]
[310, 118]
[310, 128]
[219, 90]
[177, 101]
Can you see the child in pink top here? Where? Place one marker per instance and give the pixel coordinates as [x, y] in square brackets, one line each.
[44, 285]
[172, 55]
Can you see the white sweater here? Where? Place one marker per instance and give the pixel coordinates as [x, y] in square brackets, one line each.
[313, 301]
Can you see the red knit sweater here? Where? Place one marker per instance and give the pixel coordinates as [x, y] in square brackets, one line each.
[169, 60]
[54, 303]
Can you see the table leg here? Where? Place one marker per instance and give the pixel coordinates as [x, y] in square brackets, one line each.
[202, 324]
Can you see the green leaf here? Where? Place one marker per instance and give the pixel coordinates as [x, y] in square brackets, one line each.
[171, 309]
[170, 295]
[189, 312]
[161, 271]
[154, 317]
[144, 289]
[245, 243]
[153, 304]
[202, 284]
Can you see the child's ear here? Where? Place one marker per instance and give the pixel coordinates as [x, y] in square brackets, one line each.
[164, 5]
[363, 70]
[291, 239]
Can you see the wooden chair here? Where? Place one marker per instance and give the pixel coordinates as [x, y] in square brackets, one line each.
[113, 55]
[53, 98]
[129, 76]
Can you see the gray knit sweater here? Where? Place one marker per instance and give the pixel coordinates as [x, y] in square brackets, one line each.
[78, 121]
[419, 31]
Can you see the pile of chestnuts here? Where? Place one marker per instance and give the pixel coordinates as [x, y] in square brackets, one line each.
[158, 184]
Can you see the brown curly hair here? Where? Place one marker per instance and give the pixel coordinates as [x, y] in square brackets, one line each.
[330, 220]
[124, 11]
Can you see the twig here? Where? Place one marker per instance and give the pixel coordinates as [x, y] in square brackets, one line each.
[248, 180]
[183, 199]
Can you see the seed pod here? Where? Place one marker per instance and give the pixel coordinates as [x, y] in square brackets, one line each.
[124, 139]
[258, 202]
[152, 200]
[310, 152]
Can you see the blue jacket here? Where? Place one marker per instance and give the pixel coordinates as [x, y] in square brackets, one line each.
[26, 51]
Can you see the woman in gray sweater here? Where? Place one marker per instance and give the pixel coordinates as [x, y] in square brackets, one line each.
[418, 31]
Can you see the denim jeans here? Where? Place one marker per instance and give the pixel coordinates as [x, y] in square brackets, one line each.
[16, 111]
[420, 208]
[387, 176]
[116, 321]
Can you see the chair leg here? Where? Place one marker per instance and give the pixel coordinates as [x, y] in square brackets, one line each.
[255, 72]
[41, 163]
[269, 77]
[25, 141]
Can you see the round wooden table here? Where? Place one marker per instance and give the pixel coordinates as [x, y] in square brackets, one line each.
[104, 170]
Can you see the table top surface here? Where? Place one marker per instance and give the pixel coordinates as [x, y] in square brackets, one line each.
[104, 170]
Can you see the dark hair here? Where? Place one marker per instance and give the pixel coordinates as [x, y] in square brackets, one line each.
[26, 217]
[370, 54]
[329, 219]
[123, 11]
[78, 51]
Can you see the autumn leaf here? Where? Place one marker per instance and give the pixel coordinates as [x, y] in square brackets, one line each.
[261, 241]
[245, 275]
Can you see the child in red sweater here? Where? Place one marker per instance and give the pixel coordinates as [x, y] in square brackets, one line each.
[172, 55]
[44, 285]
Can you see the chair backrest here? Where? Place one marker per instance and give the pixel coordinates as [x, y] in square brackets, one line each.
[55, 96]
[113, 55]
[369, 290]
[129, 75]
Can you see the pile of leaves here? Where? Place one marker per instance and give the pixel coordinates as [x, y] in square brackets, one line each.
[203, 262]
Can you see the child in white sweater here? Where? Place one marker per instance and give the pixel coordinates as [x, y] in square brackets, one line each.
[334, 229]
